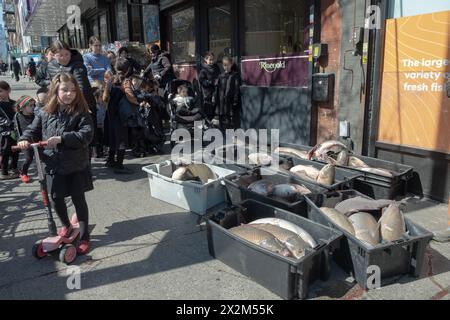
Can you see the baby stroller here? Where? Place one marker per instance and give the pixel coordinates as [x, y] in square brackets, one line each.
[180, 120]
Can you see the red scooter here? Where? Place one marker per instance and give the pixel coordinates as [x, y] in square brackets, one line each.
[55, 245]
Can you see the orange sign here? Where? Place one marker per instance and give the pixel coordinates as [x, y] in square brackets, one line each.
[415, 109]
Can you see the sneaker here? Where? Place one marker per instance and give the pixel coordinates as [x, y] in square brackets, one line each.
[83, 247]
[25, 178]
[15, 174]
[65, 231]
[5, 177]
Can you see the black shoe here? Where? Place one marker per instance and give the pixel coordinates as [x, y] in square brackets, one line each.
[110, 164]
[120, 169]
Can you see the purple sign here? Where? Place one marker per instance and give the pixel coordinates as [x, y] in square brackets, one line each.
[284, 71]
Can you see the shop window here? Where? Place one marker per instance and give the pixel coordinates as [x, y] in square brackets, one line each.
[122, 20]
[182, 35]
[276, 27]
[220, 31]
[104, 28]
[136, 25]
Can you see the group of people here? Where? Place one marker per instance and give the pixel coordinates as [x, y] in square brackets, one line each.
[93, 102]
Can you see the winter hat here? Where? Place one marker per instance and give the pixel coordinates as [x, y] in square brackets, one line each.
[23, 101]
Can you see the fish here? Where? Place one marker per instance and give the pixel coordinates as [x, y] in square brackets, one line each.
[183, 174]
[289, 226]
[339, 219]
[306, 172]
[261, 238]
[286, 164]
[291, 240]
[260, 159]
[342, 158]
[358, 204]
[203, 172]
[289, 192]
[366, 228]
[354, 162]
[378, 171]
[321, 151]
[292, 152]
[392, 223]
[327, 175]
[261, 187]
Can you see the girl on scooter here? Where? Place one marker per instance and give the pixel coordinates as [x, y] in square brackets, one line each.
[67, 126]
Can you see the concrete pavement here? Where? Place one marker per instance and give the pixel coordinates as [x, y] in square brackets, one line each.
[146, 249]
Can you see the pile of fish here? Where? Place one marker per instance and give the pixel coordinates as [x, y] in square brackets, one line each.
[335, 153]
[200, 173]
[263, 159]
[326, 176]
[277, 235]
[284, 192]
[353, 216]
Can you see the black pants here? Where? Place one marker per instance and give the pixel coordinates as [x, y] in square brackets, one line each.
[5, 162]
[82, 212]
[99, 147]
[29, 155]
[16, 75]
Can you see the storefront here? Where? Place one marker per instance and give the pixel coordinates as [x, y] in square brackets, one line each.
[414, 115]
[270, 41]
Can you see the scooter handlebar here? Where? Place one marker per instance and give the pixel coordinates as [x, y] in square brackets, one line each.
[41, 144]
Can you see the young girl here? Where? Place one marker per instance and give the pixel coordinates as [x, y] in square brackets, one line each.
[67, 126]
[208, 80]
[228, 107]
[7, 133]
[24, 117]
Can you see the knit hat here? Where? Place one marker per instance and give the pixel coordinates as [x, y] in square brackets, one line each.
[23, 101]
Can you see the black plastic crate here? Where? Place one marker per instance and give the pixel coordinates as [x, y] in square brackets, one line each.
[287, 277]
[237, 188]
[374, 185]
[344, 179]
[355, 257]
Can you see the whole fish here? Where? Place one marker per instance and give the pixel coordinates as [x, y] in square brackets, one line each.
[261, 238]
[358, 204]
[291, 240]
[354, 162]
[306, 172]
[261, 187]
[378, 171]
[342, 158]
[339, 219]
[183, 174]
[327, 175]
[321, 151]
[366, 228]
[292, 152]
[392, 223]
[289, 226]
[260, 159]
[203, 172]
[289, 192]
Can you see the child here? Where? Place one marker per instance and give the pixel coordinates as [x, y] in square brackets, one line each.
[208, 79]
[41, 99]
[67, 126]
[101, 113]
[24, 117]
[228, 107]
[7, 133]
[185, 104]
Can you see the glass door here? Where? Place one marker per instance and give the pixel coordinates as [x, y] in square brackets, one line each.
[220, 30]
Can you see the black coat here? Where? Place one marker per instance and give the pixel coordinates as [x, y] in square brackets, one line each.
[228, 93]
[207, 78]
[42, 78]
[7, 118]
[161, 66]
[77, 68]
[22, 122]
[116, 133]
[76, 131]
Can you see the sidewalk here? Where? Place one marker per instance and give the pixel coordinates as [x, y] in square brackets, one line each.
[23, 84]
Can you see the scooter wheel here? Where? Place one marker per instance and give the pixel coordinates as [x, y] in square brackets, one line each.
[68, 254]
[38, 250]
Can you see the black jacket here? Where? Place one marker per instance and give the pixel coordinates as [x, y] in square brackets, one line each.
[76, 131]
[228, 93]
[161, 66]
[15, 66]
[42, 78]
[208, 77]
[22, 122]
[78, 69]
[7, 118]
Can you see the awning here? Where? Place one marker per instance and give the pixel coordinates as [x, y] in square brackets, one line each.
[48, 17]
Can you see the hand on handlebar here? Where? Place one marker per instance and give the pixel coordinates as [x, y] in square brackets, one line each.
[53, 142]
[24, 145]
